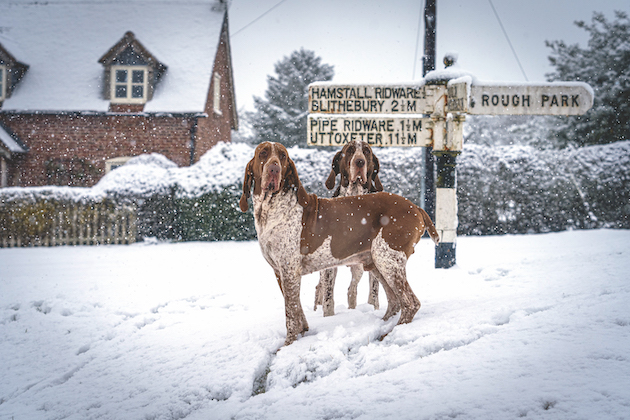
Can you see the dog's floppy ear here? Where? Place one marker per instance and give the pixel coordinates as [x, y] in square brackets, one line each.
[247, 185]
[293, 181]
[377, 182]
[345, 176]
[330, 182]
[303, 197]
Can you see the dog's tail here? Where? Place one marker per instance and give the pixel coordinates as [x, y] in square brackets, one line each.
[430, 227]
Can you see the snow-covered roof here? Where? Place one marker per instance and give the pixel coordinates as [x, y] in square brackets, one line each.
[62, 40]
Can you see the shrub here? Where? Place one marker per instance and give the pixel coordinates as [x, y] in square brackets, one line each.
[506, 189]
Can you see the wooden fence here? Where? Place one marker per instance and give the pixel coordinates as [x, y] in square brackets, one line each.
[51, 223]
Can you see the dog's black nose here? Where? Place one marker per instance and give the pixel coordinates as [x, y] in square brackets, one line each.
[360, 163]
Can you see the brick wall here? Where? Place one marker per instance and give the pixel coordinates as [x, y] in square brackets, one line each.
[82, 143]
[217, 127]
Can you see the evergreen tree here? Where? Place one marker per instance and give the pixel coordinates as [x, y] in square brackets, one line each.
[281, 116]
[605, 65]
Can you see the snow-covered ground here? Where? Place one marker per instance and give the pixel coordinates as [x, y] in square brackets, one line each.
[533, 326]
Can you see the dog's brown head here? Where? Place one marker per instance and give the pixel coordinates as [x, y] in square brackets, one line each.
[357, 164]
[271, 170]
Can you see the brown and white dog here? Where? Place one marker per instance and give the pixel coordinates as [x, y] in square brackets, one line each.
[358, 166]
[299, 233]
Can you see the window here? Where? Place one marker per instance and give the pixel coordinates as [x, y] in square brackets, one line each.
[217, 94]
[114, 163]
[4, 172]
[3, 83]
[129, 84]
[131, 74]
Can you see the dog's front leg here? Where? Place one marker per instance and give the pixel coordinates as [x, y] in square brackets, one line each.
[373, 296]
[324, 291]
[295, 318]
[357, 273]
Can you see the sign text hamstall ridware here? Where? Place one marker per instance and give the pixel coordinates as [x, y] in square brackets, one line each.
[325, 98]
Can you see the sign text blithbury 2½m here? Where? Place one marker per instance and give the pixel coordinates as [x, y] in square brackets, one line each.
[342, 113]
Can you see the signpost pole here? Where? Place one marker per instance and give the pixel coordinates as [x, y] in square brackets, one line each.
[428, 64]
[447, 145]
[446, 193]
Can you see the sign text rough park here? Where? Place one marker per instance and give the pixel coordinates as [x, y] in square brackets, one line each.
[559, 98]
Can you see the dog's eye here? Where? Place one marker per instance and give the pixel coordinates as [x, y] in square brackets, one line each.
[366, 151]
[282, 155]
[350, 150]
[263, 154]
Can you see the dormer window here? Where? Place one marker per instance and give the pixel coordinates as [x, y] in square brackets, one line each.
[129, 84]
[11, 72]
[131, 74]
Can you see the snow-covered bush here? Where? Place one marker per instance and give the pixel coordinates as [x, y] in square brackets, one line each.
[211, 216]
[519, 189]
[505, 189]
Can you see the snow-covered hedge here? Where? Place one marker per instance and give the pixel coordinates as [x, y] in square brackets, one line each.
[518, 189]
[506, 189]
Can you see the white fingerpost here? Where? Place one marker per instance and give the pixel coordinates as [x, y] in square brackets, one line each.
[431, 114]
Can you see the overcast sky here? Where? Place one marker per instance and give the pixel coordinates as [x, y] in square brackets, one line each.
[375, 40]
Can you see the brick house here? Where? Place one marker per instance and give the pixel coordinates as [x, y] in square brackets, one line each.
[84, 86]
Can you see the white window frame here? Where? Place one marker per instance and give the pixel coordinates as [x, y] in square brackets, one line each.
[129, 84]
[4, 173]
[216, 97]
[3, 82]
[111, 164]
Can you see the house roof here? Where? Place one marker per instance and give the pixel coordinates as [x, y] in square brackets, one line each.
[62, 42]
